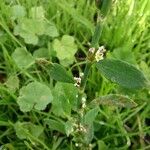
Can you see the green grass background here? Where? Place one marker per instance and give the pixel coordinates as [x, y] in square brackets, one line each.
[126, 36]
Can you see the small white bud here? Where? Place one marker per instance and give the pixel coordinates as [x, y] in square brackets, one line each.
[102, 49]
[83, 105]
[92, 50]
[81, 74]
[78, 81]
[83, 99]
[76, 85]
[99, 56]
[100, 53]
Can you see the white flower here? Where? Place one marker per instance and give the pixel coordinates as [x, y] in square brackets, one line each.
[83, 99]
[100, 53]
[99, 56]
[77, 96]
[78, 81]
[76, 85]
[81, 74]
[83, 105]
[92, 50]
[102, 49]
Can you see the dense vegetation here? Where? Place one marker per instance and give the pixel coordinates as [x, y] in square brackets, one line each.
[74, 74]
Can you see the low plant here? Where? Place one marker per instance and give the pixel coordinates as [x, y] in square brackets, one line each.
[58, 113]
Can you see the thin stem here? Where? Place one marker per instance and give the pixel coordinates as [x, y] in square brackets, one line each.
[86, 73]
[90, 59]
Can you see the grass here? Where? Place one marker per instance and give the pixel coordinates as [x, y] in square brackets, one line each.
[125, 36]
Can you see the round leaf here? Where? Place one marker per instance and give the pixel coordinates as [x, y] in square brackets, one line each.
[37, 13]
[22, 58]
[17, 11]
[34, 95]
[65, 49]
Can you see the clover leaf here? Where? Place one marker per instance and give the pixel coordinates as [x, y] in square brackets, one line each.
[22, 58]
[34, 96]
[18, 11]
[65, 49]
[12, 83]
[37, 13]
[31, 29]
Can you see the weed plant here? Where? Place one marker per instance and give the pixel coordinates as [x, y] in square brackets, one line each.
[74, 74]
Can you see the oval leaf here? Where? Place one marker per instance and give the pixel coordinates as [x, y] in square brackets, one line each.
[55, 125]
[69, 127]
[106, 6]
[64, 100]
[97, 34]
[122, 73]
[113, 100]
[91, 115]
[59, 73]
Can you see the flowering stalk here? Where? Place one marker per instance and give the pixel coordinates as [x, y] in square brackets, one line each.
[95, 53]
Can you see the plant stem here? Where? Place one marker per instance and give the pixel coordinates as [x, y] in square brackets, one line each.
[86, 73]
[83, 82]
[90, 59]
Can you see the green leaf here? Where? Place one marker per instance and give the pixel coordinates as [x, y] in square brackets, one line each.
[123, 53]
[22, 58]
[55, 125]
[145, 68]
[41, 53]
[65, 49]
[122, 73]
[33, 26]
[102, 145]
[104, 6]
[97, 35]
[31, 29]
[59, 73]
[89, 134]
[64, 100]
[90, 116]
[25, 129]
[18, 11]
[12, 83]
[30, 38]
[35, 95]
[51, 30]
[37, 12]
[69, 127]
[114, 100]
[88, 120]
